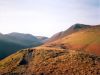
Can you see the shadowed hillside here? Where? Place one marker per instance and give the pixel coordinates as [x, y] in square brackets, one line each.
[10, 43]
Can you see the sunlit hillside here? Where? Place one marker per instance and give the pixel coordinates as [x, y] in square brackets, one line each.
[50, 61]
[75, 54]
[87, 40]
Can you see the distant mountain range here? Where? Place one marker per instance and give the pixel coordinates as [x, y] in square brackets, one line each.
[75, 51]
[12, 42]
[42, 38]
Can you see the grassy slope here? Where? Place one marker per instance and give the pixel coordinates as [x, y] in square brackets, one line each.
[51, 61]
[11, 62]
[88, 39]
[74, 28]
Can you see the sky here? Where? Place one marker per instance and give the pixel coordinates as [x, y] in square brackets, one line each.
[46, 17]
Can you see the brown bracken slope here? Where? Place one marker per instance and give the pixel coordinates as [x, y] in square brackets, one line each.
[75, 54]
[50, 61]
[72, 29]
[87, 39]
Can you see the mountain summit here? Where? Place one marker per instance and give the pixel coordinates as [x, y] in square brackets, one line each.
[74, 28]
[87, 39]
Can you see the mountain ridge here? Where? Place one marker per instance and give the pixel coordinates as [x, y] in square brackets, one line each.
[88, 39]
[74, 28]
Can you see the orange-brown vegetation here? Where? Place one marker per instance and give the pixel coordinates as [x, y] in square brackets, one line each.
[75, 54]
[74, 28]
[87, 39]
[51, 61]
